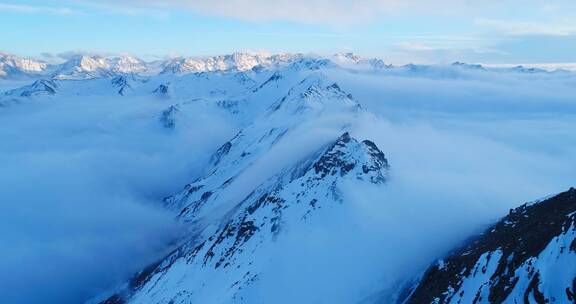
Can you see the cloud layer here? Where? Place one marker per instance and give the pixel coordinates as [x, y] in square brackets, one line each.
[82, 181]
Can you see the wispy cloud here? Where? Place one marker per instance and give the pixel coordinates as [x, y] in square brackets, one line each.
[522, 28]
[333, 12]
[126, 8]
[36, 9]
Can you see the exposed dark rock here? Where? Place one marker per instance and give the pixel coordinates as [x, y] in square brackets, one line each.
[162, 90]
[274, 78]
[168, 116]
[221, 152]
[121, 83]
[39, 87]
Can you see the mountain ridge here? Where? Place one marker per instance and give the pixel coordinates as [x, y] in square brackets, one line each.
[228, 253]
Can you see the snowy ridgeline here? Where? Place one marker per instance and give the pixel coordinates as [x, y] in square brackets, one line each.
[94, 66]
[273, 215]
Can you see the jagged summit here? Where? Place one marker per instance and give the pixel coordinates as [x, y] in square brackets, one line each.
[95, 66]
[314, 92]
[529, 256]
[83, 67]
[348, 56]
[348, 156]
[234, 62]
[19, 67]
[128, 65]
[352, 60]
[468, 66]
[38, 87]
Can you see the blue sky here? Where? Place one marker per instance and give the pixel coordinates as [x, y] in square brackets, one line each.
[505, 31]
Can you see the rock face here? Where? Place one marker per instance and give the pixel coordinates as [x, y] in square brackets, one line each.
[122, 84]
[47, 87]
[168, 117]
[529, 256]
[223, 261]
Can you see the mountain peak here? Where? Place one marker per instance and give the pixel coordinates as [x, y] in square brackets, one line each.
[315, 92]
[12, 65]
[347, 155]
[354, 61]
[83, 67]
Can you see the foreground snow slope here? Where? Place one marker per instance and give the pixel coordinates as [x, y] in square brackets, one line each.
[529, 256]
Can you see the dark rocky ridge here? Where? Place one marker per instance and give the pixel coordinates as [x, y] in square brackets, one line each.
[523, 233]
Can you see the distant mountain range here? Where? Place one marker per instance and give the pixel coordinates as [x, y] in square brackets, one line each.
[95, 66]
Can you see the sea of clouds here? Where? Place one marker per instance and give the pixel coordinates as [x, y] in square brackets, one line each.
[82, 179]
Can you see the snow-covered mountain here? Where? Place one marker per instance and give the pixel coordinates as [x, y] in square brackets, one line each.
[86, 67]
[82, 67]
[356, 61]
[529, 256]
[12, 66]
[236, 61]
[128, 65]
[226, 259]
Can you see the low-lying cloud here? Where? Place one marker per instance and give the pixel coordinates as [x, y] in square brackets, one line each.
[80, 188]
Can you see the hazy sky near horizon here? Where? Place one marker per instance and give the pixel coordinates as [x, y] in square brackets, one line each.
[505, 31]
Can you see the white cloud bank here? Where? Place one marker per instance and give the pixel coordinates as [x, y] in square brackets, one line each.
[35, 9]
[80, 186]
